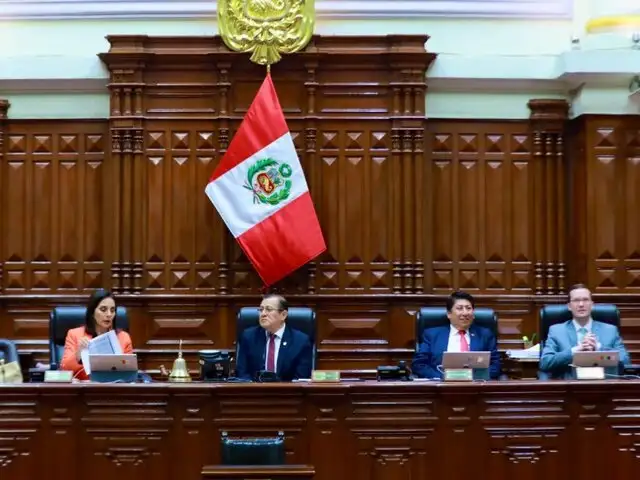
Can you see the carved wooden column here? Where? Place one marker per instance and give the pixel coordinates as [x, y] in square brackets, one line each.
[4, 109]
[418, 93]
[548, 119]
[127, 167]
[396, 195]
[409, 124]
[313, 173]
[224, 286]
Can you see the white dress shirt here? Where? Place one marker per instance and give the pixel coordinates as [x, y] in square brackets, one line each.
[454, 340]
[277, 340]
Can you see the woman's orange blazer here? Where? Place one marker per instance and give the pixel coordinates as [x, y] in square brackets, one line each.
[71, 343]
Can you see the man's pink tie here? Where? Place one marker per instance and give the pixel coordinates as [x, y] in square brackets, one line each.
[464, 345]
[271, 354]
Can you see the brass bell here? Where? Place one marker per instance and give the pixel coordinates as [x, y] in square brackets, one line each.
[179, 372]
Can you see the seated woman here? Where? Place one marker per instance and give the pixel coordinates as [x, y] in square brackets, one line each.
[99, 319]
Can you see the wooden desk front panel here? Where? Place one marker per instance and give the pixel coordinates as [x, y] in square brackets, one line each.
[524, 430]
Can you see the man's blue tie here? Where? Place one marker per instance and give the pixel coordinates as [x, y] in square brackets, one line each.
[581, 333]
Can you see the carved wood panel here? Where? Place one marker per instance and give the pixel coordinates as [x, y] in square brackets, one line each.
[605, 172]
[55, 200]
[482, 193]
[357, 119]
[364, 430]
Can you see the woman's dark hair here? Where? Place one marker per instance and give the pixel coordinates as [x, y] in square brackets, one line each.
[95, 299]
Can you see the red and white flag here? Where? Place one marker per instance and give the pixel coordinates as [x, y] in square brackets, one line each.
[261, 192]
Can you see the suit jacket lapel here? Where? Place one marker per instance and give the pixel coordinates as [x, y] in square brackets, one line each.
[571, 333]
[441, 345]
[285, 344]
[475, 343]
[260, 340]
[595, 328]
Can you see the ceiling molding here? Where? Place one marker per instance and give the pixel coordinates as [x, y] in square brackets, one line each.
[55, 86]
[448, 73]
[326, 9]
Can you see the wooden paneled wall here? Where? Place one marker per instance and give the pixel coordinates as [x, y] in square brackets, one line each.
[411, 207]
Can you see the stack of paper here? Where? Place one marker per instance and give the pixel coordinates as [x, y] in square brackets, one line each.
[105, 344]
[533, 352]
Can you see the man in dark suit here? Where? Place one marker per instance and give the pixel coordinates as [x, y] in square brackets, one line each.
[461, 335]
[273, 345]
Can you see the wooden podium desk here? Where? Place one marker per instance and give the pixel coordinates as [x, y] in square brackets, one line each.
[361, 430]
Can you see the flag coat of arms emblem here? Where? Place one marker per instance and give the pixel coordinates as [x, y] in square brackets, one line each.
[260, 191]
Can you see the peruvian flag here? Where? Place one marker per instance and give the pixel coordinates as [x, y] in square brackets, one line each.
[261, 192]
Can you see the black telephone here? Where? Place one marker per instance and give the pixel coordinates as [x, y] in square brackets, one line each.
[398, 373]
[265, 376]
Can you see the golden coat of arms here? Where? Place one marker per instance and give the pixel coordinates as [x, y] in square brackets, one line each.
[266, 28]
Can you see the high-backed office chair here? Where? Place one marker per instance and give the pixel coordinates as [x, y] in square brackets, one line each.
[429, 317]
[299, 318]
[8, 351]
[553, 314]
[64, 318]
[253, 451]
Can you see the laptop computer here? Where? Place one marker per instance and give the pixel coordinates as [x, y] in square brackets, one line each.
[126, 362]
[473, 360]
[609, 359]
[113, 368]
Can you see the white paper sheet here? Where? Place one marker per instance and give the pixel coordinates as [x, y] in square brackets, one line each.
[84, 356]
[533, 352]
[105, 344]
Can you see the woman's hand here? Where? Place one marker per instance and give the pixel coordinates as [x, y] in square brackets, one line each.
[82, 345]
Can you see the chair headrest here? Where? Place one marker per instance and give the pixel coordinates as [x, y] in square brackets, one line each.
[429, 317]
[253, 451]
[299, 318]
[64, 318]
[553, 314]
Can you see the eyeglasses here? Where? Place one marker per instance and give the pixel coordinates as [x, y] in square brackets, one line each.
[269, 309]
[580, 300]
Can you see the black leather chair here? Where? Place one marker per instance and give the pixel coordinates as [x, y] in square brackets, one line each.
[299, 318]
[64, 318]
[253, 451]
[429, 317]
[8, 351]
[553, 314]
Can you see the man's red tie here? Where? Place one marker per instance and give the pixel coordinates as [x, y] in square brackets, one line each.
[271, 354]
[464, 345]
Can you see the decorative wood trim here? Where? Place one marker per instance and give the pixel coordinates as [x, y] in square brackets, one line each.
[4, 109]
[325, 9]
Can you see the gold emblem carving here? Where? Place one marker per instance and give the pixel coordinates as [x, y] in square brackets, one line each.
[266, 28]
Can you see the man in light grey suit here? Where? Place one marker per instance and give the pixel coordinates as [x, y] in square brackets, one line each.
[581, 333]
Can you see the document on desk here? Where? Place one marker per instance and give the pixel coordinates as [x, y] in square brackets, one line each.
[105, 344]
